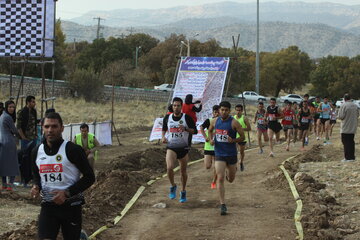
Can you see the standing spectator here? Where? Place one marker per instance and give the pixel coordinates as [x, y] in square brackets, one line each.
[26, 123]
[9, 166]
[348, 114]
[189, 107]
[88, 142]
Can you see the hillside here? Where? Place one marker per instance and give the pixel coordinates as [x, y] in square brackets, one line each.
[317, 40]
[337, 15]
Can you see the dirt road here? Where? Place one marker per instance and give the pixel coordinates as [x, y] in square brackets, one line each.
[256, 210]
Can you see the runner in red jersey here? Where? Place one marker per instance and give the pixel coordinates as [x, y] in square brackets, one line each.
[287, 122]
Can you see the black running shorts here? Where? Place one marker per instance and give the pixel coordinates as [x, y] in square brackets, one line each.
[54, 217]
[323, 120]
[242, 143]
[274, 126]
[180, 152]
[207, 152]
[304, 127]
[230, 160]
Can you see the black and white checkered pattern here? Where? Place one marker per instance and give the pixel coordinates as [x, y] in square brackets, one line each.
[22, 28]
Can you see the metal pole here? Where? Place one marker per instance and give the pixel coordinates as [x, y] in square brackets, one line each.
[53, 84]
[188, 47]
[173, 83]
[11, 77]
[257, 83]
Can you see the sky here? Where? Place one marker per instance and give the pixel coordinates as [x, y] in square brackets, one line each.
[67, 9]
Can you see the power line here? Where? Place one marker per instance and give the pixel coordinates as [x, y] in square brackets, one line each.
[98, 26]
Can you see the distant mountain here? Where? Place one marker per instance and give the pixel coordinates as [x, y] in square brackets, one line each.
[337, 15]
[317, 40]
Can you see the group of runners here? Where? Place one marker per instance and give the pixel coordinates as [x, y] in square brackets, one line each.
[226, 136]
[297, 121]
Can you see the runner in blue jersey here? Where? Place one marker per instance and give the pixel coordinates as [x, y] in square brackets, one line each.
[225, 128]
[325, 109]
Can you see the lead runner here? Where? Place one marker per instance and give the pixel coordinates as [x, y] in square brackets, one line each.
[225, 141]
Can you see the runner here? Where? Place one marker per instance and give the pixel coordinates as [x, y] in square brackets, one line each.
[209, 153]
[333, 117]
[311, 123]
[324, 109]
[287, 122]
[316, 116]
[295, 122]
[304, 117]
[245, 124]
[225, 128]
[285, 129]
[273, 113]
[61, 173]
[261, 122]
[180, 127]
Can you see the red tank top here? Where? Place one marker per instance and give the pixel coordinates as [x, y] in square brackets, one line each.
[188, 109]
[288, 117]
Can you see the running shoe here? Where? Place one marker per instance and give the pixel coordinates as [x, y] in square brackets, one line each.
[183, 197]
[213, 185]
[348, 160]
[223, 209]
[271, 154]
[317, 138]
[172, 194]
[287, 148]
[242, 166]
[306, 141]
[261, 151]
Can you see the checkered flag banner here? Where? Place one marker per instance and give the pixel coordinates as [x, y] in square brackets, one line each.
[27, 28]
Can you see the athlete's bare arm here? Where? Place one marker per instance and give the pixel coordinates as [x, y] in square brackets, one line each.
[211, 130]
[203, 133]
[248, 125]
[163, 138]
[237, 127]
[281, 115]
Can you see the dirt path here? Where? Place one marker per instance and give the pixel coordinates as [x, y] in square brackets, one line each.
[256, 210]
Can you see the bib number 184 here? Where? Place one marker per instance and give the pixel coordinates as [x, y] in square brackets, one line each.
[52, 177]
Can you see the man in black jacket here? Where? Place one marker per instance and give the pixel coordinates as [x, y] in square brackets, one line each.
[61, 173]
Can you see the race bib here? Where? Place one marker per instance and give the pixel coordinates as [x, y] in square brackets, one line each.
[272, 117]
[261, 121]
[221, 135]
[176, 133]
[52, 173]
[288, 118]
[304, 120]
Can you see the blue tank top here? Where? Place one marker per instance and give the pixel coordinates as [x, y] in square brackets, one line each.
[325, 108]
[223, 130]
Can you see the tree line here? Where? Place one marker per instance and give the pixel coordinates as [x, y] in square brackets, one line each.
[140, 60]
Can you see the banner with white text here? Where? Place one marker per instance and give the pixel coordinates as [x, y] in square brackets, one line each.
[204, 78]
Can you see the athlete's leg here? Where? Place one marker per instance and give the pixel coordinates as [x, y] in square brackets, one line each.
[91, 160]
[277, 135]
[289, 136]
[331, 128]
[242, 153]
[214, 171]
[271, 136]
[296, 131]
[220, 167]
[170, 165]
[327, 128]
[183, 165]
[259, 139]
[208, 161]
[231, 172]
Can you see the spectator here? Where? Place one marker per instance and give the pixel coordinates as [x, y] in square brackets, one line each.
[1, 108]
[9, 166]
[26, 123]
[88, 142]
[348, 114]
[189, 107]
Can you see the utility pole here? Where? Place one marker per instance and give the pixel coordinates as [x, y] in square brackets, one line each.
[74, 44]
[257, 75]
[131, 30]
[98, 26]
